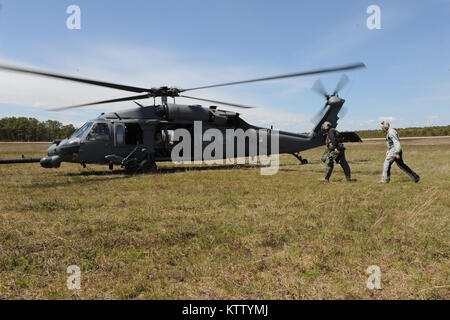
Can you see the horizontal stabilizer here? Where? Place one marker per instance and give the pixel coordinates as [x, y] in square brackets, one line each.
[350, 136]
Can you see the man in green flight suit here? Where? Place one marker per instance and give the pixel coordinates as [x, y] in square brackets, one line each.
[335, 152]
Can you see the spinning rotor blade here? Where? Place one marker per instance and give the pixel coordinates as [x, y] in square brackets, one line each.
[76, 79]
[284, 76]
[143, 96]
[342, 83]
[319, 115]
[319, 88]
[343, 112]
[219, 102]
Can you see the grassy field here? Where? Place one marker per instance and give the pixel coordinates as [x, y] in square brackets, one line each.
[213, 233]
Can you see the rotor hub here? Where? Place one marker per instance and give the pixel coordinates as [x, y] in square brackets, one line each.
[164, 92]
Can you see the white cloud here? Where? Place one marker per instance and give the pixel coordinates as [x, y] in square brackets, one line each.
[388, 118]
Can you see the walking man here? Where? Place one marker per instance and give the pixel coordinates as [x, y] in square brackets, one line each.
[335, 153]
[394, 154]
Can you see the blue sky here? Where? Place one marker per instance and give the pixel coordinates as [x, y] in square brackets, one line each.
[191, 43]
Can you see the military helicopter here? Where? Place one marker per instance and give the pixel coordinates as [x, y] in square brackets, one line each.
[137, 138]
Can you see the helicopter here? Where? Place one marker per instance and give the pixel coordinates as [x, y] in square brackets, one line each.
[137, 138]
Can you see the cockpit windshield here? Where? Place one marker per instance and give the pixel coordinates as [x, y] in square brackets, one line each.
[80, 132]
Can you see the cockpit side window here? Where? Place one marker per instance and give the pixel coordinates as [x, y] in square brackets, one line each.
[99, 132]
[120, 135]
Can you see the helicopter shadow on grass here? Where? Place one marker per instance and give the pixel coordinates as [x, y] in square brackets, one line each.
[178, 169]
[164, 170]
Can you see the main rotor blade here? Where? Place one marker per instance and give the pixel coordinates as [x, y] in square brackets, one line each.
[219, 102]
[144, 96]
[70, 78]
[319, 88]
[284, 76]
[342, 83]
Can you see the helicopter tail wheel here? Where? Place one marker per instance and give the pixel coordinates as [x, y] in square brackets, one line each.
[299, 157]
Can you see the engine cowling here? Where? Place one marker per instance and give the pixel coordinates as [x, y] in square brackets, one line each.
[183, 112]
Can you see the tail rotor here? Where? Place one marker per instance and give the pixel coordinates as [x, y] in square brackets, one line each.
[319, 88]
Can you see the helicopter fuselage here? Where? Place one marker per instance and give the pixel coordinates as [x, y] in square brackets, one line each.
[148, 132]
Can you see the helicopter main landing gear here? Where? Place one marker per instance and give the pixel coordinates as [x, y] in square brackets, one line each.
[299, 157]
[139, 161]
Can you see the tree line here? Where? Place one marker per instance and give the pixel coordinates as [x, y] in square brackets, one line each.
[31, 129]
[408, 132]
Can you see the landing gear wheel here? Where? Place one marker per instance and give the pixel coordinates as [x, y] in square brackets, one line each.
[304, 161]
[147, 166]
[132, 166]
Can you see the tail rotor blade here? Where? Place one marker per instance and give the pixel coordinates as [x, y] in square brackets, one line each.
[342, 83]
[343, 112]
[319, 88]
[319, 115]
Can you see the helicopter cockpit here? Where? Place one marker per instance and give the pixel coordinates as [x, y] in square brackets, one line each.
[99, 132]
[96, 131]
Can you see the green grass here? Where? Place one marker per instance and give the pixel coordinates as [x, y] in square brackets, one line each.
[227, 232]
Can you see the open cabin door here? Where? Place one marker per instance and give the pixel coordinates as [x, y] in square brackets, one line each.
[163, 142]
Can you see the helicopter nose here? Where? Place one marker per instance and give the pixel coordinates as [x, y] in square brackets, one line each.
[64, 148]
[51, 151]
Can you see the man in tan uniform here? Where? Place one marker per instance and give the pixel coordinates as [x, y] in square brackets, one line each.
[394, 154]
